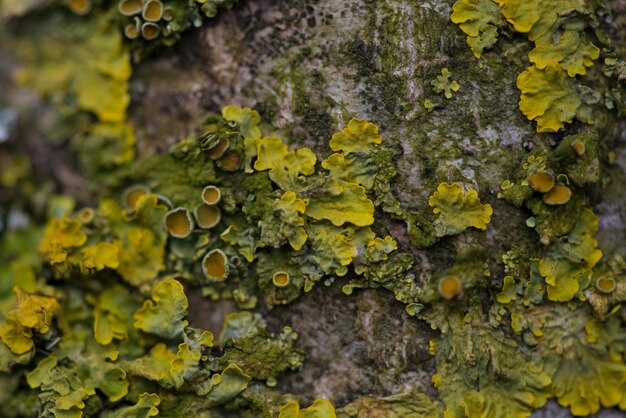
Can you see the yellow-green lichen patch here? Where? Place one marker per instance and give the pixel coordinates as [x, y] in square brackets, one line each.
[145, 407]
[246, 119]
[163, 314]
[60, 235]
[268, 354]
[286, 168]
[444, 84]
[549, 96]
[458, 210]
[31, 315]
[286, 222]
[481, 373]
[99, 256]
[537, 18]
[509, 290]
[94, 71]
[404, 404]
[113, 314]
[320, 408]
[568, 267]
[571, 52]
[478, 19]
[351, 205]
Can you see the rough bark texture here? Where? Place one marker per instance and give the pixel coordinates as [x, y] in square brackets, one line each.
[308, 67]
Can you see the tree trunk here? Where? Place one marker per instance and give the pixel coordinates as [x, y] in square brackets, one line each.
[308, 67]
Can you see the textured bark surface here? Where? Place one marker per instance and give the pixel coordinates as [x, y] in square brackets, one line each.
[308, 67]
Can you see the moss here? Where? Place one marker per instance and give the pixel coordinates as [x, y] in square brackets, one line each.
[310, 105]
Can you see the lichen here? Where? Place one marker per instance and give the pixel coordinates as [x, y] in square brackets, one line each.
[101, 326]
[479, 20]
[458, 210]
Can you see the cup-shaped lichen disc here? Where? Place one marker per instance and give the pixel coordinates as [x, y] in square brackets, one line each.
[86, 215]
[280, 279]
[220, 148]
[541, 181]
[605, 284]
[131, 31]
[231, 160]
[80, 7]
[449, 287]
[152, 11]
[131, 195]
[150, 31]
[207, 216]
[559, 195]
[578, 147]
[168, 14]
[211, 195]
[215, 265]
[178, 223]
[130, 7]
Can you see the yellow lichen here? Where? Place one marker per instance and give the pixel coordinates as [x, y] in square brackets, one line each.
[99, 256]
[95, 70]
[163, 313]
[285, 167]
[320, 408]
[549, 96]
[443, 84]
[351, 205]
[211, 195]
[570, 52]
[477, 18]
[32, 314]
[568, 267]
[458, 210]
[246, 118]
[60, 235]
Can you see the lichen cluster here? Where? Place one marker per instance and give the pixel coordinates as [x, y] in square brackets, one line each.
[564, 36]
[96, 298]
